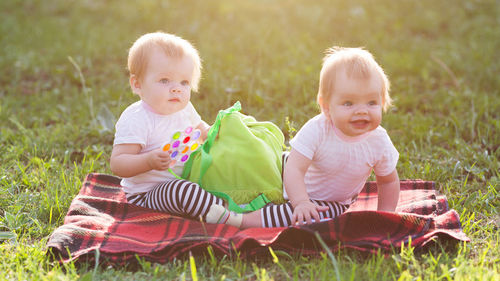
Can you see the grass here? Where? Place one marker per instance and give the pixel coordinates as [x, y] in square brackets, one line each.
[64, 83]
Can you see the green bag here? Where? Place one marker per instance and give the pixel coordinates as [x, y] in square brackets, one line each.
[240, 161]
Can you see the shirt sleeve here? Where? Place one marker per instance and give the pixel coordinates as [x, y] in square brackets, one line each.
[307, 139]
[388, 159]
[131, 129]
[193, 115]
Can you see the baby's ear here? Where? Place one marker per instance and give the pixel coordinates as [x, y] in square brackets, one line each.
[322, 106]
[325, 108]
[135, 84]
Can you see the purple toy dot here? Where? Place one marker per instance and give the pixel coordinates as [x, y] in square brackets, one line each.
[196, 134]
[174, 154]
[184, 158]
[176, 144]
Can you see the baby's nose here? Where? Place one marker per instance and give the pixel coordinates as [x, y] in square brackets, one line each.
[175, 90]
[361, 110]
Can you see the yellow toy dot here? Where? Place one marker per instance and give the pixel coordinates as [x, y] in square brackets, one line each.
[176, 135]
[194, 146]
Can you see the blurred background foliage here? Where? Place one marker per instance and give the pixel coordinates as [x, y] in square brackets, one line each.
[63, 84]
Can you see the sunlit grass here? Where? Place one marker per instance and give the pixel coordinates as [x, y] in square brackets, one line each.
[64, 83]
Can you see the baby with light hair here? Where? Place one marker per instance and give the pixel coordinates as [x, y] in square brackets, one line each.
[335, 152]
[164, 69]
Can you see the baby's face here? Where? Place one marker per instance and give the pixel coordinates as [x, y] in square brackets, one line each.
[355, 106]
[166, 85]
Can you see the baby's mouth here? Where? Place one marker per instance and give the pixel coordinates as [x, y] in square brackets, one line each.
[360, 123]
[174, 100]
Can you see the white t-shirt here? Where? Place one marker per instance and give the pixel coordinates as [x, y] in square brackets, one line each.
[342, 164]
[139, 124]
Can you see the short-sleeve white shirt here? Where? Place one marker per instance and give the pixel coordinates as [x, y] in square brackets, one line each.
[342, 164]
[139, 124]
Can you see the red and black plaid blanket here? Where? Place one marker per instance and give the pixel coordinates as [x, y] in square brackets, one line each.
[100, 220]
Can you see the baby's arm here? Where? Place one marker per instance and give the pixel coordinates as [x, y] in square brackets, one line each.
[126, 161]
[388, 192]
[295, 170]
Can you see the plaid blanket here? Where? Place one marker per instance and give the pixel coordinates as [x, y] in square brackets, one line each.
[100, 221]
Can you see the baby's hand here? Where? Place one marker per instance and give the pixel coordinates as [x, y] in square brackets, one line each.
[305, 211]
[158, 159]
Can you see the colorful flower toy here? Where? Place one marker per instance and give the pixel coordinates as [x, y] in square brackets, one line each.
[182, 145]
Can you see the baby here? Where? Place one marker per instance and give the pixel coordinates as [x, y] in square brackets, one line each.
[335, 152]
[163, 70]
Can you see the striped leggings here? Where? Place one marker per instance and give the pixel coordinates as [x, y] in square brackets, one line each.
[177, 197]
[281, 215]
[189, 200]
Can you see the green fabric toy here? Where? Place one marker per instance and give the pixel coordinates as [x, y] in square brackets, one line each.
[240, 161]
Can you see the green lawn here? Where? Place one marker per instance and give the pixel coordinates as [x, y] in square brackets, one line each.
[63, 83]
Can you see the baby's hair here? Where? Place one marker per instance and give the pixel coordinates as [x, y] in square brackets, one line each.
[173, 46]
[358, 63]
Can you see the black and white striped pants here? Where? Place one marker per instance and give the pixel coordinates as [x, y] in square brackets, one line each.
[189, 200]
[281, 215]
[178, 197]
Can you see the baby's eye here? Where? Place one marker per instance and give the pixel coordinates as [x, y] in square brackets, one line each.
[347, 103]
[164, 80]
[185, 83]
[372, 102]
